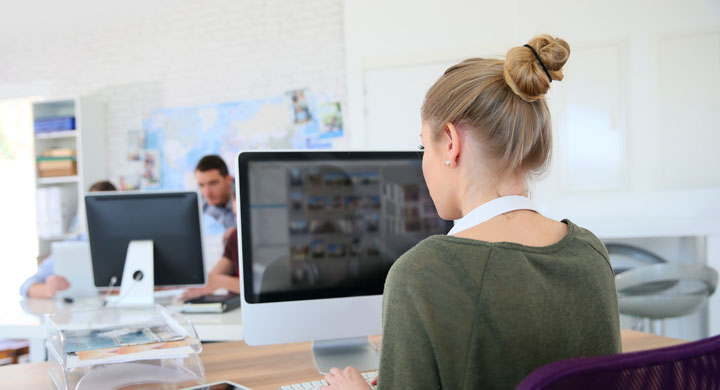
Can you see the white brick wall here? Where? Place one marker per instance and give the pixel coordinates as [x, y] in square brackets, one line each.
[140, 56]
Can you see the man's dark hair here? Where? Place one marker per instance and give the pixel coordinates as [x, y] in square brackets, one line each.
[102, 186]
[210, 162]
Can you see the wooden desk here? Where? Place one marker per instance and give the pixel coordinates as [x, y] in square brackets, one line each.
[265, 368]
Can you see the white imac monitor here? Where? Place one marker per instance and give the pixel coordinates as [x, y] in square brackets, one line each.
[318, 233]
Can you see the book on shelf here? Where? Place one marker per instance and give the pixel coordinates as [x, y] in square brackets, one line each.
[212, 303]
[52, 166]
[49, 125]
[57, 152]
[55, 210]
[57, 168]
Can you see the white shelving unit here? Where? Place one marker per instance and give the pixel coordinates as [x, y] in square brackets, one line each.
[57, 180]
[88, 141]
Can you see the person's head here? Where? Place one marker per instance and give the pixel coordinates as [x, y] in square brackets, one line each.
[486, 126]
[214, 180]
[234, 205]
[103, 185]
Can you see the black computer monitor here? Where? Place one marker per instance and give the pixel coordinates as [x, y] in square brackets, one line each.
[170, 219]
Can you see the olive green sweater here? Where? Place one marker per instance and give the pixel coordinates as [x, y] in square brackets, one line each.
[467, 314]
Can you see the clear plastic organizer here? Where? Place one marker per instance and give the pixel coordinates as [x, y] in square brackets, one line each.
[123, 348]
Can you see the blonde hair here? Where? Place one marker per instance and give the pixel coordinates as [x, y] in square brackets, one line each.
[502, 104]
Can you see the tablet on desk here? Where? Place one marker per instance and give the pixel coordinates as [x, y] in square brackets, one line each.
[73, 262]
[224, 385]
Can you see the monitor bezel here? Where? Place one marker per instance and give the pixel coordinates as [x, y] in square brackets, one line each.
[244, 218]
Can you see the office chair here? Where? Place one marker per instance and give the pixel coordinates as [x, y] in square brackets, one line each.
[656, 289]
[625, 257]
[694, 365]
[665, 290]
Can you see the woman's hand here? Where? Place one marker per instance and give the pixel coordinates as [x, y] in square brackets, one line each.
[347, 379]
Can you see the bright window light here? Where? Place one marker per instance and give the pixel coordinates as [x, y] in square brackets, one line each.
[18, 232]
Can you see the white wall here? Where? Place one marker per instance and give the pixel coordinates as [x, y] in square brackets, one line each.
[138, 56]
[667, 171]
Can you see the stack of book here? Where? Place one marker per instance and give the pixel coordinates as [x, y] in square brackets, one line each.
[49, 125]
[56, 162]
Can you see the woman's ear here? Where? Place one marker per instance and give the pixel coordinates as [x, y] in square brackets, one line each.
[452, 139]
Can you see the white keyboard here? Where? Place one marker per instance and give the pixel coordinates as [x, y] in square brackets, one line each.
[315, 385]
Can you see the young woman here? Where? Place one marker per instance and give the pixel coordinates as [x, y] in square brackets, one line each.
[507, 290]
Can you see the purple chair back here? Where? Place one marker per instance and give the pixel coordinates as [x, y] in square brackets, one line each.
[692, 366]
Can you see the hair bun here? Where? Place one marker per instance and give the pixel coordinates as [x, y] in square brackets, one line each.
[525, 75]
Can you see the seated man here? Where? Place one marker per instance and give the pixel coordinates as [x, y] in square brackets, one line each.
[44, 284]
[224, 275]
[216, 187]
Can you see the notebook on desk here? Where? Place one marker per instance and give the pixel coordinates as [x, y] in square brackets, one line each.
[212, 303]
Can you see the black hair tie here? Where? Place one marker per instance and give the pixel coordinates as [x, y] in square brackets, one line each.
[540, 61]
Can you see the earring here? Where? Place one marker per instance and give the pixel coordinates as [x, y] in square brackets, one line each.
[447, 163]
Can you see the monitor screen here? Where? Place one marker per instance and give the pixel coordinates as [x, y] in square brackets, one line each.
[170, 219]
[329, 224]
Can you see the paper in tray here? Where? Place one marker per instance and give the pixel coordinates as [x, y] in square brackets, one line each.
[172, 353]
[86, 340]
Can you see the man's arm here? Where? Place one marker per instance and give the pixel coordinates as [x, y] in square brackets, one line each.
[224, 266]
[220, 277]
[52, 285]
[228, 282]
[45, 269]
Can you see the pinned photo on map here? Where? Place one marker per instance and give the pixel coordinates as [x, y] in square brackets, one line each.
[331, 121]
[300, 106]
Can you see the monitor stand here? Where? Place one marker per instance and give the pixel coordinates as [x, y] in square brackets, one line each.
[356, 352]
[138, 280]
